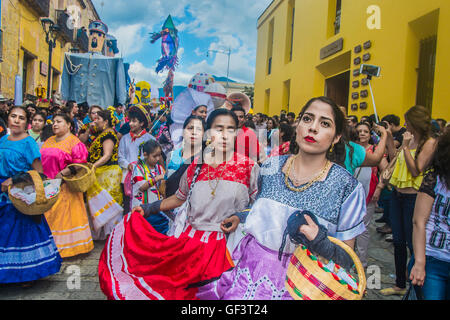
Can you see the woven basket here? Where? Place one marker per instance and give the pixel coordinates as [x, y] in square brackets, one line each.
[83, 179]
[41, 205]
[308, 279]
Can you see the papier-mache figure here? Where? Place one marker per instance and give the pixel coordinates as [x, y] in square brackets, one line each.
[111, 46]
[93, 77]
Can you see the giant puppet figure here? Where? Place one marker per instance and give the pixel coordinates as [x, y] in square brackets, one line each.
[93, 77]
[169, 50]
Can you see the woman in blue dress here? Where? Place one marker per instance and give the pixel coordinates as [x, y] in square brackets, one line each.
[27, 249]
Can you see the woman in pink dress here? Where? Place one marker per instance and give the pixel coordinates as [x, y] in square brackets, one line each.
[68, 218]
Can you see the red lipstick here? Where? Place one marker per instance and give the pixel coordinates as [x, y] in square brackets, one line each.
[310, 139]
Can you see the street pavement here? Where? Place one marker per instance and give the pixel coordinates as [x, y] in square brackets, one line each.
[65, 285]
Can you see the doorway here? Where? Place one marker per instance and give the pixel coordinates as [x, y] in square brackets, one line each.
[337, 88]
[27, 71]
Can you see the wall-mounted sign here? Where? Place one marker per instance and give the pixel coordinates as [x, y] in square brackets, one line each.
[365, 82]
[355, 95]
[354, 106]
[364, 93]
[332, 48]
[357, 61]
[356, 72]
[367, 45]
[355, 84]
[43, 69]
[363, 105]
[366, 57]
[358, 49]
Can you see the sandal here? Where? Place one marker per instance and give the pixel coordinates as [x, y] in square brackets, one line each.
[392, 291]
[26, 285]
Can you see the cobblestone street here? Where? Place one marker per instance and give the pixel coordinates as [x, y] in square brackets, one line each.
[57, 287]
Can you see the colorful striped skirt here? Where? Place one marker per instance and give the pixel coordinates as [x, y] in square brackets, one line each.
[27, 249]
[140, 263]
[104, 200]
[69, 223]
[258, 275]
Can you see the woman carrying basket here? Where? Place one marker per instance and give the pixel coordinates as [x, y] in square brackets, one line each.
[27, 249]
[68, 218]
[308, 181]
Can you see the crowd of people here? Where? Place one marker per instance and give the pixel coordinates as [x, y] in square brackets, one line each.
[205, 219]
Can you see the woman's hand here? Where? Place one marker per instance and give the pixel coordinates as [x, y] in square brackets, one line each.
[138, 210]
[376, 194]
[59, 175]
[159, 178]
[6, 184]
[417, 276]
[380, 129]
[310, 230]
[130, 167]
[234, 220]
[407, 137]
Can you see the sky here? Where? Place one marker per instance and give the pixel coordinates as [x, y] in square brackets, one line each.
[202, 25]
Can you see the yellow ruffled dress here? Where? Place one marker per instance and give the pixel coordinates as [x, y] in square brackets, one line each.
[402, 177]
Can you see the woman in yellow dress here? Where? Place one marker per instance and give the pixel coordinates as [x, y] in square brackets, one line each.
[415, 155]
[105, 198]
[68, 218]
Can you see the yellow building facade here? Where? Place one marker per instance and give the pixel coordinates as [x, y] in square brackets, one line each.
[25, 52]
[309, 48]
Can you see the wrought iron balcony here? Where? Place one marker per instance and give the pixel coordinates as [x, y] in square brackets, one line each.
[42, 7]
[64, 31]
[82, 41]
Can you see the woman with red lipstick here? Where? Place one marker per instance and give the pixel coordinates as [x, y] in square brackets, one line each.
[140, 263]
[308, 180]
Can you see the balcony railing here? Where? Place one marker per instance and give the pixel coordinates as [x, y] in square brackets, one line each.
[42, 7]
[65, 32]
[82, 41]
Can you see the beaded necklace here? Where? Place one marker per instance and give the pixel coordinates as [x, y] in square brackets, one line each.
[310, 183]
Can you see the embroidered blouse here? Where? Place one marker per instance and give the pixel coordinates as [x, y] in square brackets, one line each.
[96, 149]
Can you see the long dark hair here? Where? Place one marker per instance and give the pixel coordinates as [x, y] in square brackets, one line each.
[192, 117]
[338, 154]
[220, 112]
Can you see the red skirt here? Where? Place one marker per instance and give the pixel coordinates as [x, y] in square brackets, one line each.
[138, 262]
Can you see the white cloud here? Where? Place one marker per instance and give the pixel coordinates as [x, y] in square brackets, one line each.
[224, 24]
[140, 72]
[130, 38]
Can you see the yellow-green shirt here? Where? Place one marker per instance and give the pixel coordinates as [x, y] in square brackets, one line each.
[402, 177]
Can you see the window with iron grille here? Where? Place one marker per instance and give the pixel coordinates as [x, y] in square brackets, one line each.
[337, 21]
[425, 76]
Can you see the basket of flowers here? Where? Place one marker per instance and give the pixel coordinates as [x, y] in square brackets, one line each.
[32, 195]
